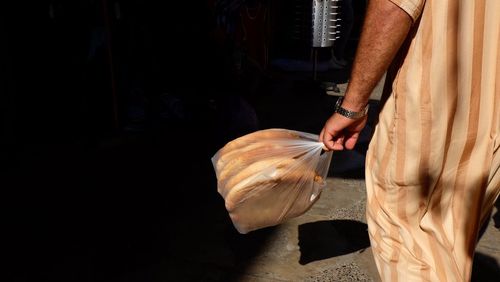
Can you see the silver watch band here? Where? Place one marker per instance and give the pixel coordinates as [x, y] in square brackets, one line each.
[349, 114]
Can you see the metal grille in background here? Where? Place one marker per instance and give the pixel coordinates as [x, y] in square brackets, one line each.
[325, 22]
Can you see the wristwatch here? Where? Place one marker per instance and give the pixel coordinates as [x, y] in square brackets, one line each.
[349, 114]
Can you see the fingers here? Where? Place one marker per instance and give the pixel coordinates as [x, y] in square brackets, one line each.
[338, 141]
[340, 133]
[330, 144]
[320, 139]
[351, 141]
[326, 138]
[333, 141]
[339, 144]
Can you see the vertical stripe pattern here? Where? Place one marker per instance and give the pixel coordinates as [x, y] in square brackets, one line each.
[432, 169]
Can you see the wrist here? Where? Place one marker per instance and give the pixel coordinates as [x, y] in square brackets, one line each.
[355, 105]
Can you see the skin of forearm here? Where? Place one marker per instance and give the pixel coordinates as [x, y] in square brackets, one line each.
[384, 30]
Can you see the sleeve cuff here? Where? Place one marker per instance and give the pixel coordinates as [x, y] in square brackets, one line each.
[412, 7]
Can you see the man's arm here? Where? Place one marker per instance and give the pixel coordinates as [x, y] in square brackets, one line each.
[384, 30]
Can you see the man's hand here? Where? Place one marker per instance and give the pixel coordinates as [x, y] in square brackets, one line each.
[340, 132]
[384, 30]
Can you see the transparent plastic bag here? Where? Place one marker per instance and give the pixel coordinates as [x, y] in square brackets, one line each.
[269, 176]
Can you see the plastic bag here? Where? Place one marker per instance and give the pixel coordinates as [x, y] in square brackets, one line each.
[269, 176]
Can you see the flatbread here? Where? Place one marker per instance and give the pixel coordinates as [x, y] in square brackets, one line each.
[269, 176]
[282, 190]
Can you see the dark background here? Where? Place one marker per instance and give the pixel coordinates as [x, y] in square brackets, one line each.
[110, 112]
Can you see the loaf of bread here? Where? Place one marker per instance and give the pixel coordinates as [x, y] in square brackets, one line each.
[282, 190]
[269, 176]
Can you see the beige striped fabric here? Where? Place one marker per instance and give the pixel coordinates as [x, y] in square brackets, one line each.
[433, 164]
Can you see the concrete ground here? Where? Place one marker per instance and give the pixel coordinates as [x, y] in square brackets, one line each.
[330, 243]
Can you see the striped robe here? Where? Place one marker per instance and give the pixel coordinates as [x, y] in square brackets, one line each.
[433, 164]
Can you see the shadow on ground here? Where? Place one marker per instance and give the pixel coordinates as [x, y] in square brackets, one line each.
[496, 216]
[485, 268]
[326, 239]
